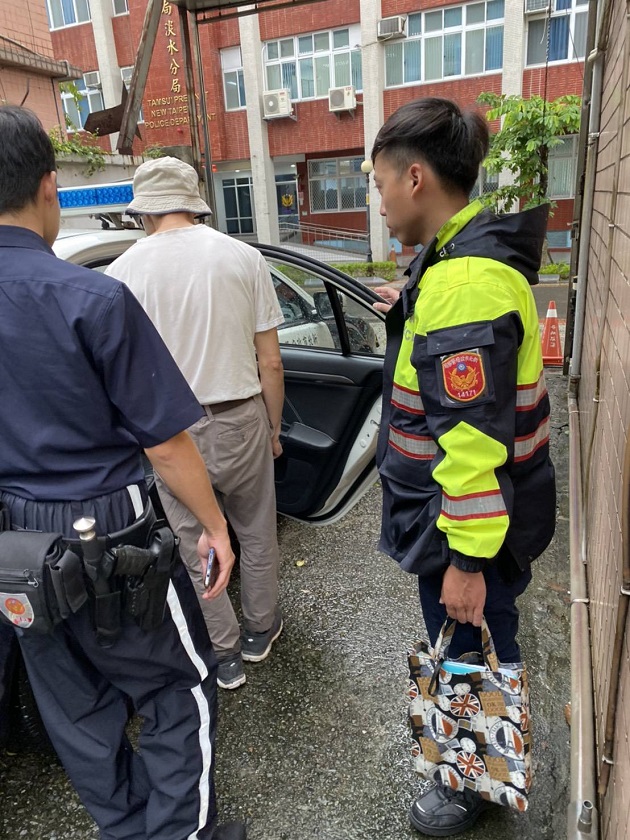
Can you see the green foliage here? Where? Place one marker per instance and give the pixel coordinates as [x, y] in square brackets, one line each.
[81, 144]
[386, 270]
[530, 127]
[561, 269]
[155, 151]
[293, 273]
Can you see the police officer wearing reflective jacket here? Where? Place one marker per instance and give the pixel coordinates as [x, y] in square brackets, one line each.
[86, 384]
[468, 486]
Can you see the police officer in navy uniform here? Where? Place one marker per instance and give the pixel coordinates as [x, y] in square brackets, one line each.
[86, 384]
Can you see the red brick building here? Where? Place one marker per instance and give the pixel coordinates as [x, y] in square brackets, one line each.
[29, 72]
[295, 96]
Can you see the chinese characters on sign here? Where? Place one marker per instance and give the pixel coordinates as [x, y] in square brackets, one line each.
[173, 109]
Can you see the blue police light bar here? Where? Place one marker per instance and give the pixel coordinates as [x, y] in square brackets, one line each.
[100, 198]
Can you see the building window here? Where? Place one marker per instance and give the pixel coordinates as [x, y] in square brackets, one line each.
[563, 168]
[336, 184]
[125, 74]
[121, 7]
[67, 12]
[239, 207]
[233, 81]
[87, 99]
[565, 30]
[309, 65]
[559, 238]
[447, 43]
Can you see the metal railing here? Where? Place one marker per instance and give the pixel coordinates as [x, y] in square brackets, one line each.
[297, 233]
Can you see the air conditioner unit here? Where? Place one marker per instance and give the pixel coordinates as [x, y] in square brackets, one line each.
[391, 27]
[92, 79]
[342, 99]
[276, 103]
[536, 6]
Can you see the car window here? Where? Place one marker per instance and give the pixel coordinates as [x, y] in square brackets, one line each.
[309, 313]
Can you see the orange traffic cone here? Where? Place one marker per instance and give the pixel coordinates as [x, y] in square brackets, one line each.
[392, 256]
[552, 354]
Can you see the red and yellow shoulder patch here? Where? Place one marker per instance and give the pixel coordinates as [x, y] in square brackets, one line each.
[464, 375]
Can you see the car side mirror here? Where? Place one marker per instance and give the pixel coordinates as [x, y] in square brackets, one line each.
[323, 305]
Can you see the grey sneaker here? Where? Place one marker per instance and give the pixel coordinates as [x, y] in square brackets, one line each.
[230, 672]
[256, 646]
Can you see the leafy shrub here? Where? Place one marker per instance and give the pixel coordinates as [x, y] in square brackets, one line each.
[386, 270]
[154, 151]
[561, 269]
[83, 145]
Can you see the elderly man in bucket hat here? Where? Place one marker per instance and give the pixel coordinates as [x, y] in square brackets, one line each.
[212, 300]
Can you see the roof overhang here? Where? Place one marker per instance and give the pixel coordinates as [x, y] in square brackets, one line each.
[13, 54]
[213, 9]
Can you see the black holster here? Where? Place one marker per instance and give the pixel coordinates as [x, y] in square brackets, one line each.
[145, 574]
[106, 582]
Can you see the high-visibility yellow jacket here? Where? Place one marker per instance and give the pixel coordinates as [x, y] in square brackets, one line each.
[464, 443]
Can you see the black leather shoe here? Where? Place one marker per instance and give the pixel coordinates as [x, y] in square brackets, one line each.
[442, 811]
[231, 831]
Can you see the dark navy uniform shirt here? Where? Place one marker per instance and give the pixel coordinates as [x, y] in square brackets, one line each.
[85, 379]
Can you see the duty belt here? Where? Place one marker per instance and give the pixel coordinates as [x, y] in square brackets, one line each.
[137, 534]
[126, 571]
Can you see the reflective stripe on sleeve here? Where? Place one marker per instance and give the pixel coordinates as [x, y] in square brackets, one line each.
[473, 505]
[528, 396]
[407, 399]
[420, 447]
[525, 446]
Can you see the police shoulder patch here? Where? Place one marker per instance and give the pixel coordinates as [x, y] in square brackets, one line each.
[464, 375]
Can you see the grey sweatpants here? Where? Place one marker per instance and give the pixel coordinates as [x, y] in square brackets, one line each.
[236, 448]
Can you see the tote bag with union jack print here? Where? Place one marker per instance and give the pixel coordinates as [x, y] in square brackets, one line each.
[470, 723]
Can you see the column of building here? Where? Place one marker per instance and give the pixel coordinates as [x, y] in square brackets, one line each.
[513, 52]
[111, 80]
[263, 174]
[373, 69]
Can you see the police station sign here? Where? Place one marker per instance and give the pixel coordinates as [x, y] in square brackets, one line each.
[168, 111]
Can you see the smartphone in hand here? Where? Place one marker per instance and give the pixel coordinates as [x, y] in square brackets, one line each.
[207, 578]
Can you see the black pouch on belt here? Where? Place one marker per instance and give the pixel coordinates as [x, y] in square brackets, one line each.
[41, 582]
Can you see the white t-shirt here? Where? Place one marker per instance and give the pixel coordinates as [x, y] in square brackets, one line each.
[207, 294]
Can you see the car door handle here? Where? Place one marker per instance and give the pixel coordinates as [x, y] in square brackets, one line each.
[307, 438]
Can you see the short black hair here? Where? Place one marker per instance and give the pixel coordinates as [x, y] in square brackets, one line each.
[452, 141]
[26, 155]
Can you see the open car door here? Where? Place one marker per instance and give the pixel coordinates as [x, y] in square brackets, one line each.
[332, 344]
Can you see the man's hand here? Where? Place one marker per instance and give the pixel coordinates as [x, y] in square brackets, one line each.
[224, 560]
[464, 595]
[390, 296]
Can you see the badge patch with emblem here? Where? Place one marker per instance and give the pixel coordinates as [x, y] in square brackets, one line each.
[464, 375]
[17, 608]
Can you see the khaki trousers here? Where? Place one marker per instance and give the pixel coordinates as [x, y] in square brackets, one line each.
[236, 448]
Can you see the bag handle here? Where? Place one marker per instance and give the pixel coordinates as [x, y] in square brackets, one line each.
[443, 642]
